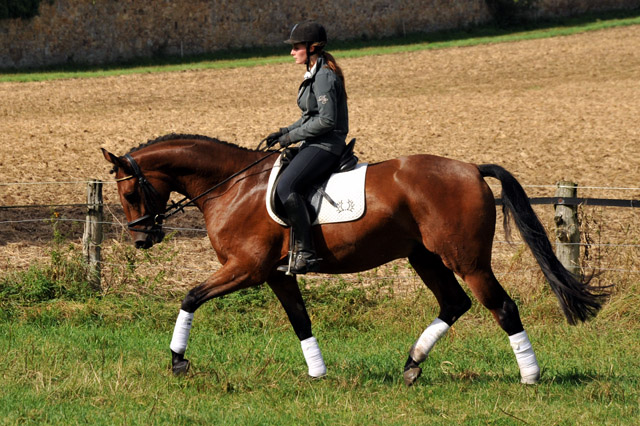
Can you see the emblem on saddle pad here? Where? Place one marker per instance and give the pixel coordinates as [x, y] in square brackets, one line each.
[340, 199]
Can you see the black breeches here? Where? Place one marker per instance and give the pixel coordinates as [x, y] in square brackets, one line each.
[310, 166]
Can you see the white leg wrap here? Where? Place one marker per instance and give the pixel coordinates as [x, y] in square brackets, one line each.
[428, 339]
[313, 356]
[529, 369]
[181, 332]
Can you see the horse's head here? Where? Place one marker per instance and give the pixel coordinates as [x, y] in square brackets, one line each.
[143, 198]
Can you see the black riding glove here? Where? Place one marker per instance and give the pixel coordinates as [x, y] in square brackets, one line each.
[275, 137]
[285, 140]
[272, 139]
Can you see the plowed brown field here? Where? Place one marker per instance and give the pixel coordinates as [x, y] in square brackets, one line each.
[547, 110]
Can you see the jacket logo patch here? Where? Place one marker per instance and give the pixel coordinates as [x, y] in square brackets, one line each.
[323, 99]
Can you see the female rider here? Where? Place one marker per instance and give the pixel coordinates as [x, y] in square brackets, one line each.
[322, 129]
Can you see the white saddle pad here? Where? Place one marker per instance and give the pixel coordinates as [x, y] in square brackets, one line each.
[345, 189]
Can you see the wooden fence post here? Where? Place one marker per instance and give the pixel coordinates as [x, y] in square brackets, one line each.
[567, 228]
[92, 238]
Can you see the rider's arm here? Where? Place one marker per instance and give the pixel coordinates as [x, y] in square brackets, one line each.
[321, 111]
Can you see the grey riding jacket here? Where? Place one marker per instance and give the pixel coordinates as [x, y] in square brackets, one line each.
[325, 117]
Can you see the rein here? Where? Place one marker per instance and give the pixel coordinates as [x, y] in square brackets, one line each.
[180, 205]
[150, 194]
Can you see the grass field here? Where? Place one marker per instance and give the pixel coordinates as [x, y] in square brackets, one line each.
[105, 361]
[72, 356]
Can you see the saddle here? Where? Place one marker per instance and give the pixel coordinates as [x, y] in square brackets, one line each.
[348, 160]
[339, 199]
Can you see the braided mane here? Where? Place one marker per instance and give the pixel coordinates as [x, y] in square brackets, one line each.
[174, 136]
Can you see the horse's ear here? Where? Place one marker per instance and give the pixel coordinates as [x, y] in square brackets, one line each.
[111, 158]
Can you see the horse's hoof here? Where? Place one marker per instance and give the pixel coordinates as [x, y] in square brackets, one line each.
[411, 375]
[181, 368]
[316, 378]
[530, 380]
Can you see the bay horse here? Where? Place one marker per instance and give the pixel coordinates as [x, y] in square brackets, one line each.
[437, 212]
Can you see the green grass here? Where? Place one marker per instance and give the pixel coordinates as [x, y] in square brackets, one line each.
[71, 357]
[106, 361]
[341, 49]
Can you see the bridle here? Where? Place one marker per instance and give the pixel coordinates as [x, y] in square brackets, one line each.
[151, 197]
[150, 200]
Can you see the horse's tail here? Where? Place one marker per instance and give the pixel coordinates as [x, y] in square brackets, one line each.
[578, 299]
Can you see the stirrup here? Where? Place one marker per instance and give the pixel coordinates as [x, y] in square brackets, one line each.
[301, 262]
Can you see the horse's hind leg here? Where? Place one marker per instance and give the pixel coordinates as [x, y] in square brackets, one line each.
[286, 289]
[453, 303]
[490, 293]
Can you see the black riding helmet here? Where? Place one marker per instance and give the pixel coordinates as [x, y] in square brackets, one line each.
[309, 33]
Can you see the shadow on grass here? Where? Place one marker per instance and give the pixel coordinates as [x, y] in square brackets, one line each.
[582, 378]
[564, 379]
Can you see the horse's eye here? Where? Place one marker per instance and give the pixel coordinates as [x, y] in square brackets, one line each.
[132, 197]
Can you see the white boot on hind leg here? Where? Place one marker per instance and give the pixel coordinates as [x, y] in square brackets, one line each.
[527, 362]
[429, 337]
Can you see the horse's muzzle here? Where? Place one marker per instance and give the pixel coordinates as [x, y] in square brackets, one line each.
[146, 239]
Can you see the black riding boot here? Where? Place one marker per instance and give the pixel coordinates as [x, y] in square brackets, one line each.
[304, 254]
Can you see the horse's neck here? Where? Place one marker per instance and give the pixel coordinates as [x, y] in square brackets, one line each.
[197, 167]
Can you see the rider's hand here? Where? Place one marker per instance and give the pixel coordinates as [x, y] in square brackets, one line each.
[276, 137]
[272, 139]
[285, 140]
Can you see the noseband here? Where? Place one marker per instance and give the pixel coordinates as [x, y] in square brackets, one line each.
[150, 198]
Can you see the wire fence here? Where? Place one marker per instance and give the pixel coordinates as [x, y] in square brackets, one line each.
[78, 217]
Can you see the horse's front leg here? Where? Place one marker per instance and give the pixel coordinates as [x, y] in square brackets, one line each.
[228, 279]
[286, 289]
